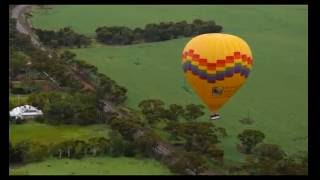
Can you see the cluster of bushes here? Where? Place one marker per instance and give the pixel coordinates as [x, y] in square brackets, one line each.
[66, 108]
[26, 152]
[64, 37]
[120, 35]
[26, 87]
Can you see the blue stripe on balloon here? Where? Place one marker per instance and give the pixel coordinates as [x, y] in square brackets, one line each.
[220, 75]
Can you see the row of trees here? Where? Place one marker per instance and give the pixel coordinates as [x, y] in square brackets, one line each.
[154, 109]
[64, 37]
[120, 35]
[28, 151]
[106, 88]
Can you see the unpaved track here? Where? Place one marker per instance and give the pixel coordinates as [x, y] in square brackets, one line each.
[23, 25]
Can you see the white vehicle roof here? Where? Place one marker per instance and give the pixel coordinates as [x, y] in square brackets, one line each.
[25, 110]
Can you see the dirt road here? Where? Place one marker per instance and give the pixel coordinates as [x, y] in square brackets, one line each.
[23, 26]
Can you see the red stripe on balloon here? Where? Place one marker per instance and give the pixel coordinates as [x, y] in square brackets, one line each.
[237, 55]
[229, 59]
[195, 57]
[220, 63]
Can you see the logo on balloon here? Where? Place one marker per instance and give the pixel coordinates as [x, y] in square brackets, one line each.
[217, 91]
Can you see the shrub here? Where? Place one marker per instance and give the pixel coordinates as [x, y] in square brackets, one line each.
[250, 138]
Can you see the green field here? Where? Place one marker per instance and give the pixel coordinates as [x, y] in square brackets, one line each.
[93, 166]
[47, 134]
[275, 93]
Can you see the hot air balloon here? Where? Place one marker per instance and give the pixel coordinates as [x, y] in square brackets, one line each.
[216, 65]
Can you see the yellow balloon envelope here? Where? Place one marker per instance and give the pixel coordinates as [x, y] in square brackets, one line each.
[216, 65]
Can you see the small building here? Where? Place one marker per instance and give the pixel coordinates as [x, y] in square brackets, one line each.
[24, 112]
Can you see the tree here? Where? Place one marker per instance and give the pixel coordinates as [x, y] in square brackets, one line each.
[17, 40]
[12, 155]
[216, 153]
[153, 109]
[11, 105]
[37, 100]
[174, 112]
[64, 37]
[270, 159]
[118, 95]
[197, 22]
[68, 148]
[36, 152]
[60, 112]
[57, 150]
[80, 149]
[127, 127]
[188, 30]
[93, 146]
[221, 132]
[104, 145]
[145, 143]
[68, 56]
[250, 138]
[18, 152]
[272, 151]
[190, 163]
[62, 107]
[192, 112]
[117, 144]
[17, 63]
[26, 152]
[82, 40]
[296, 164]
[151, 105]
[137, 35]
[198, 136]
[151, 33]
